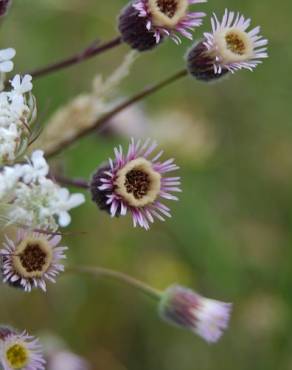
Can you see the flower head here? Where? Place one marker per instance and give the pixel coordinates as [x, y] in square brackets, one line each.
[228, 48]
[134, 182]
[21, 351]
[187, 309]
[145, 23]
[31, 260]
[168, 17]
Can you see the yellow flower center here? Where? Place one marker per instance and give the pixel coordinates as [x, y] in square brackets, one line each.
[234, 45]
[17, 356]
[168, 7]
[137, 183]
[167, 13]
[33, 257]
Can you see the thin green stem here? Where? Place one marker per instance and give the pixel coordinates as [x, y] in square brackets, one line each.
[120, 276]
[100, 124]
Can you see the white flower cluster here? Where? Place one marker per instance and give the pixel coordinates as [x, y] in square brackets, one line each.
[6, 64]
[17, 111]
[30, 198]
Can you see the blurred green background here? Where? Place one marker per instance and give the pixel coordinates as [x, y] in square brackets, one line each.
[231, 232]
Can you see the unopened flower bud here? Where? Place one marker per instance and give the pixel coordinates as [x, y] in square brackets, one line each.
[187, 309]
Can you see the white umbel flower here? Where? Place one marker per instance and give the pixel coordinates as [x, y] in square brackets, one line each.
[44, 204]
[17, 113]
[9, 139]
[36, 168]
[34, 200]
[21, 86]
[6, 56]
[6, 63]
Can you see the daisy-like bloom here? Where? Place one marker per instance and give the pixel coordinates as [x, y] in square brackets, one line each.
[228, 48]
[31, 260]
[165, 17]
[144, 23]
[21, 351]
[135, 182]
[187, 309]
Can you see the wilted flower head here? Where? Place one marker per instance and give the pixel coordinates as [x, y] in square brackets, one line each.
[187, 309]
[20, 351]
[144, 23]
[134, 182]
[30, 198]
[228, 48]
[17, 114]
[31, 259]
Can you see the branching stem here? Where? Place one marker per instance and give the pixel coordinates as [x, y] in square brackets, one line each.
[100, 124]
[91, 51]
[77, 183]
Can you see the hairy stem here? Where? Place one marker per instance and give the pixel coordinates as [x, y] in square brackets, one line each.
[89, 52]
[100, 124]
[120, 276]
